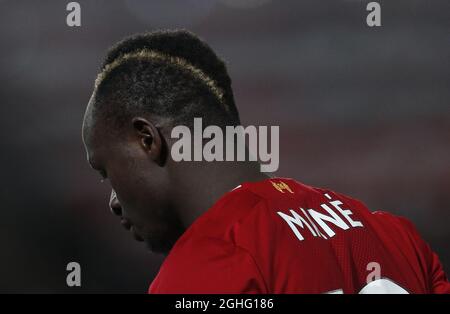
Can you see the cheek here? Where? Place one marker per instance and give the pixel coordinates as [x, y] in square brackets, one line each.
[128, 186]
[140, 184]
[136, 189]
[124, 172]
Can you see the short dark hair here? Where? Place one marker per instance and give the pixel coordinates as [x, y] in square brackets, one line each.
[168, 73]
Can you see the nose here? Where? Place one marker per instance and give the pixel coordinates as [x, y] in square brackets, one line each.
[114, 204]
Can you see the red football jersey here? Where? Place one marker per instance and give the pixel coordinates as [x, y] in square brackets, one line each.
[281, 236]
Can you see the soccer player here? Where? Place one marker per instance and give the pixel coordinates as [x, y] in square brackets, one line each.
[225, 227]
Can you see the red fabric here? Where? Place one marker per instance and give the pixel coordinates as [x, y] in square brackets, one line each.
[244, 245]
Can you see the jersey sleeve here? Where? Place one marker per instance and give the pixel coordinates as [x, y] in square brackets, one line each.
[214, 266]
[438, 282]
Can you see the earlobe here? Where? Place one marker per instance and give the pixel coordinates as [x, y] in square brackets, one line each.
[150, 138]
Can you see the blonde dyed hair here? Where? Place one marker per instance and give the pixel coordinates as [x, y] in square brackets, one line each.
[180, 63]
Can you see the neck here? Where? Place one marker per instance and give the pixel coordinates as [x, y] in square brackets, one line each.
[203, 183]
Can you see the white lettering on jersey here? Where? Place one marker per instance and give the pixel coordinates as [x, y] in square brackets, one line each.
[318, 221]
[298, 220]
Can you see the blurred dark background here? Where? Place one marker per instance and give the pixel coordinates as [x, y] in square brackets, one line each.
[363, 111]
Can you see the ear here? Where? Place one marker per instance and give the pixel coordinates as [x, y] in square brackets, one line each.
[150, 139]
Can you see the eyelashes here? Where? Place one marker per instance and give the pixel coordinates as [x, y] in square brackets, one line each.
[104, 175]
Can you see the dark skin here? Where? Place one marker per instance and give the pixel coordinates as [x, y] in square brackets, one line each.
[156, 198]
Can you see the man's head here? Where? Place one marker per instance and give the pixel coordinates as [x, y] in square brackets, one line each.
[148, 84]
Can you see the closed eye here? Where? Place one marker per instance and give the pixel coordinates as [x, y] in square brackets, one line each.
[101, 171]
[103, 174]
